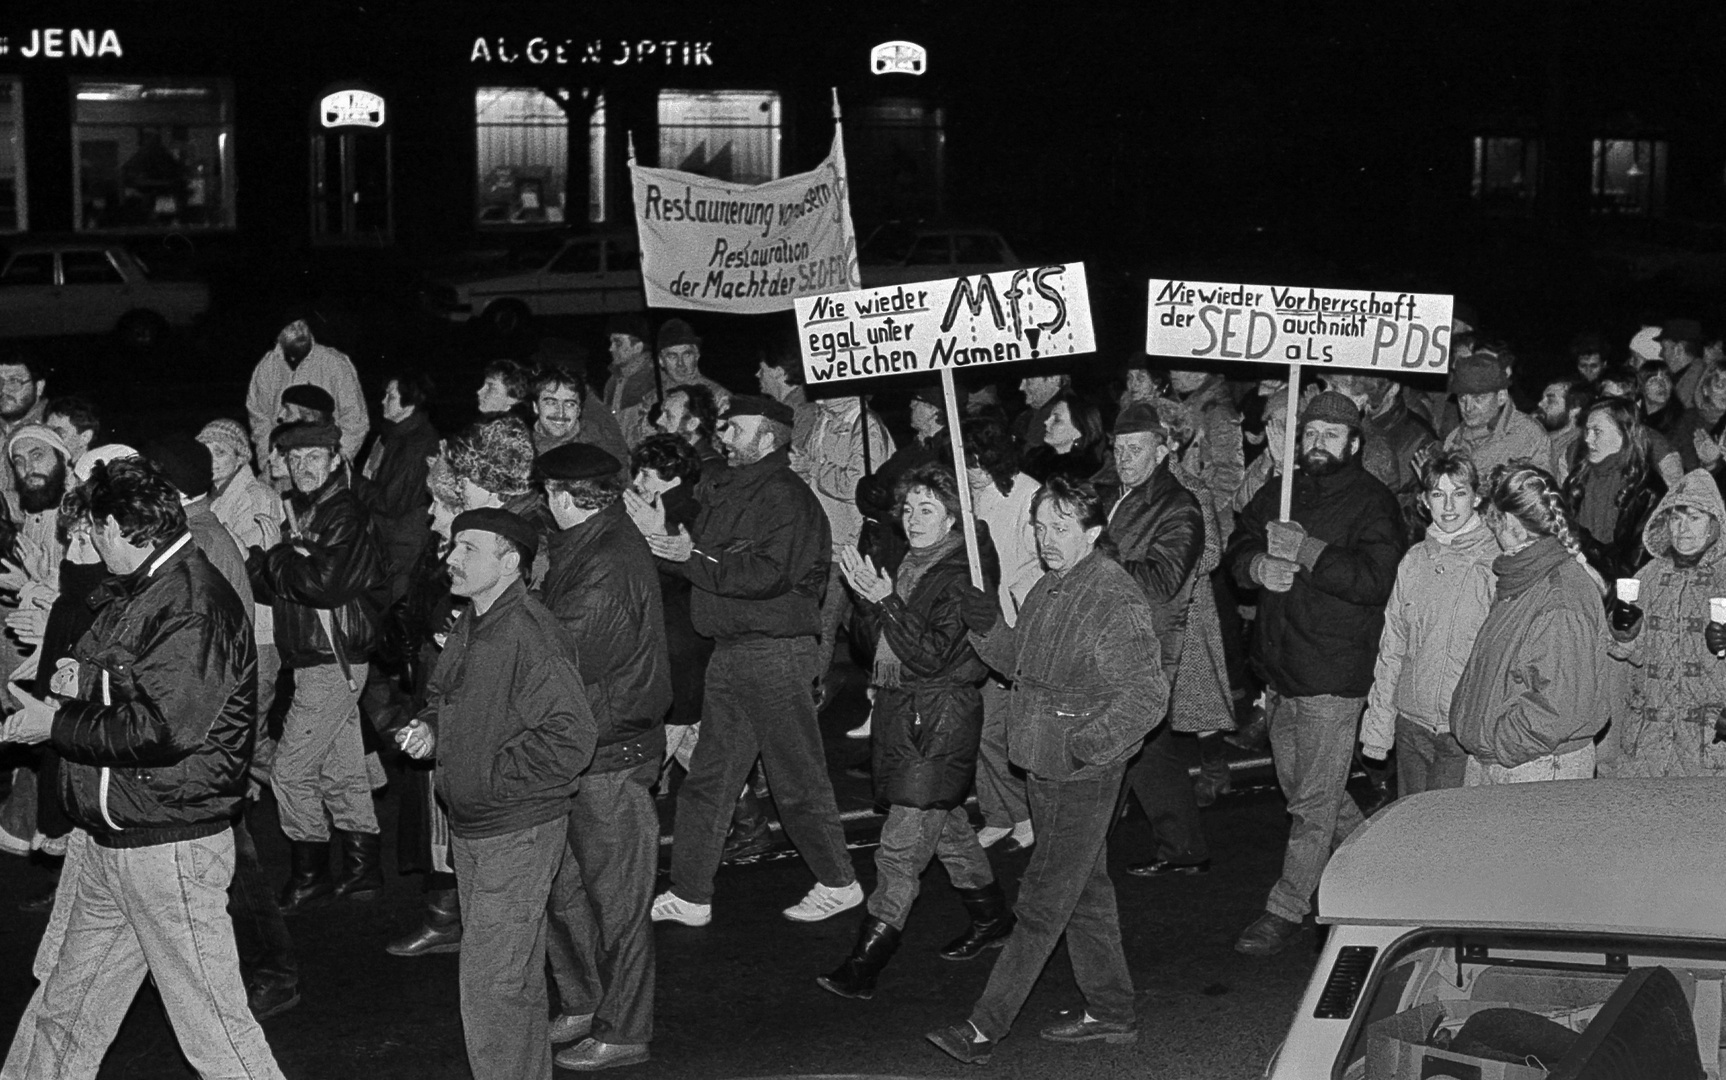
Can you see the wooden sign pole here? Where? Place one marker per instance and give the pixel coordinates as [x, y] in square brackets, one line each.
[1291, 438]
[951, 396]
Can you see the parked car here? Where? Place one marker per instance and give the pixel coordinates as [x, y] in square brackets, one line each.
[91, 287]
[1563, 928]
[543, 274]
[902, 252]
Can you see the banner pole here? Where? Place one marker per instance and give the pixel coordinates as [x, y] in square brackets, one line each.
[962, 482]
[1291, 435]
[835, 104]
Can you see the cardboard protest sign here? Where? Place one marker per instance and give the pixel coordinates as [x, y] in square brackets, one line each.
[1285, 324]
[707, 245]
[941, 325]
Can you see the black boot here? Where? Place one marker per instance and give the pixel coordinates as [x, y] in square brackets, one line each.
[991, 921]
[441, 931]
[309, 883]
[855, 978]
[362, 867]
[750, 833]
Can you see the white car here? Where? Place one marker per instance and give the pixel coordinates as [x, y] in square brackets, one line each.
[549, 275]
[1572, 929]
[899, 254]
[50, 289]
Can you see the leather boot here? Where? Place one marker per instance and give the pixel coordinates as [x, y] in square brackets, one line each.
[309, 883]
[877, 941]
[750, 833]
[991, 921]
[441, 931]
[362, 866]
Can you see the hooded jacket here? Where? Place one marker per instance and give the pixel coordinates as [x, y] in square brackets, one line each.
[1533, 684]
[1443, 592]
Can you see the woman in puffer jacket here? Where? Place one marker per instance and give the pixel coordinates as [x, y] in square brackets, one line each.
[1677, 694]
[1442, 594]
[928, 721]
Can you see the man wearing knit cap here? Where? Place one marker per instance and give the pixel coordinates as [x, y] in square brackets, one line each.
[40, 460]
[758, 560]
[508, 720]
[298, 358]
[23, 382]
[1323, 579]
[1493, 432]
[680, 360]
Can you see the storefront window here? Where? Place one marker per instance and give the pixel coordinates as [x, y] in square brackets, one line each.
[1629, 176]
[1506, 170]
[728, 135]
[14, 209]
[895, 149]
[154, 154]
[524, 165]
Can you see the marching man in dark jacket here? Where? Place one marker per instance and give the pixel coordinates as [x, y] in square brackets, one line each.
[758, 560]
[509, 722]
[154, 721]
[1324, 578]
[392, 481]
[320, 577]
[1087, 686]
[602, 585]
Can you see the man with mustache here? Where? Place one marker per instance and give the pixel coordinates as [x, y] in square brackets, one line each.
[23, 386]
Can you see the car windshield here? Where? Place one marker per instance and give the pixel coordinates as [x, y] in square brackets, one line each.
[887, 246]
[1518, 1005]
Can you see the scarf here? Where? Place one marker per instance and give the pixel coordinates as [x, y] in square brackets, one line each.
[1516, 572]
[889, 669]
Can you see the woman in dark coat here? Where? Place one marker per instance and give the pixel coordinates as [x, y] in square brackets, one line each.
[1073, 443]
[928, 721]
[1614, 488]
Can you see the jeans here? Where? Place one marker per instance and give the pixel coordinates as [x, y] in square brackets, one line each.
[1426, 760]
[1159, 777]
[505, 883]
[601, 937]
[160, 910]
[1312, 740]
[1575, 765]
[759, 703]
[260, 933]
[320, 762]
[1066, 889]
[909, 838]
[1000, 791]
[78, 844]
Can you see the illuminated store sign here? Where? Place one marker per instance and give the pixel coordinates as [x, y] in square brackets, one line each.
[352, 108]
[54, 42]
[566, 51]
[898, 58]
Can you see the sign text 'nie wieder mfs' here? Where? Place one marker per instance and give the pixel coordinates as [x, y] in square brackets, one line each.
[1285, 324]
[988, 319]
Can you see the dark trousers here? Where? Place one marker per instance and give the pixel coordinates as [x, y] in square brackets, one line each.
[1065, 890]
[759, 703]
[600, 941]
[260, 934]
[1159, 778]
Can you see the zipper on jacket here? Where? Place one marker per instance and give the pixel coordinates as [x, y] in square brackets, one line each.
[102, 799]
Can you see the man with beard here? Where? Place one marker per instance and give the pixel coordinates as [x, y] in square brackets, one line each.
[1561, 402]
[22, 384]
[1493, 432]
[39, 461]
[298, 358]
[1324, 577]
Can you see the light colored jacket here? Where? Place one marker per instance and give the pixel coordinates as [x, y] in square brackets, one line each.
[1009, 521]
[238, 507]
[832, 462]
[1512, 436]
[1443, 591]
[323, 367]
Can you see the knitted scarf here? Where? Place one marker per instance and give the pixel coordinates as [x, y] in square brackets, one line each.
[889, 669]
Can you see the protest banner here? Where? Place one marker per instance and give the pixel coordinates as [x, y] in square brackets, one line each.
[936, 326]
[708, 245]
[1297, 326]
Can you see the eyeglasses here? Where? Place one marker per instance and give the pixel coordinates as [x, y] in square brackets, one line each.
[16, 382]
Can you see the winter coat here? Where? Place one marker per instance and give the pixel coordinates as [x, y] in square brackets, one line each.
[926, 730]
[832, 462]
[1532, 684]
[1677, 688]
[1616, 552]
[1321, 636]
[155, 748]
[1080, 466]
[687, 652]
[323, 367]
[1201, 698]
[762, 551]
[604, 589]
[513, 727]
[1009, 520]
[1442, 594]
[1087, 686]
[1208, 426]
[1512, 436]
[392, 486]
[1158, 532]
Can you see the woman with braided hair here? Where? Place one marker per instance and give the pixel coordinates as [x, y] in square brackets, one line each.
[1535, 690]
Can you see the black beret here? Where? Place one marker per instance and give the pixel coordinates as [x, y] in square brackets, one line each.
[757, 405]
[306, 433]
[308, 396]
[495, 519]
[578, 461]
[185, 460]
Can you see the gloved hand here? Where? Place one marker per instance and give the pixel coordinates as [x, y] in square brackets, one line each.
[1715, 635]
[1284, 538]
[979, 609]
[1625, 619]
[1274, 574]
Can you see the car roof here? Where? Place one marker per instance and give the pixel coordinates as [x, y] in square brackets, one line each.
[1615, 856]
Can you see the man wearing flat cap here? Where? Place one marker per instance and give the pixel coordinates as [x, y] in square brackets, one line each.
[758, 561]
[602, 585]
[680, 361]
[1323, 579]
[507, 717]
[1493, 432]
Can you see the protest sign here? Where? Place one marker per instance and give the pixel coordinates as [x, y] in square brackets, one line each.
[1283, 324]
[935, 326]
[708, 245]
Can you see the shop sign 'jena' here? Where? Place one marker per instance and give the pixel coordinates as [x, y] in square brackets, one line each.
[1296, 326]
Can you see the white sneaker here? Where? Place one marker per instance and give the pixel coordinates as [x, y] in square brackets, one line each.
[824, 903]
[861, 731]
[990, 835]
[669, 907]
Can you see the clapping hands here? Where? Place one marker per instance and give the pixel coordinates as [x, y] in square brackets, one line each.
[867, 581]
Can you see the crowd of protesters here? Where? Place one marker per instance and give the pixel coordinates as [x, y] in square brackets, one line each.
[590, 595]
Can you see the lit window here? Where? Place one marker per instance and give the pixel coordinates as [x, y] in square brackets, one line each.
[523, 158]
[1505, 170]
[154, 153]
[1629, 176]
[14, 207]
[730, 135]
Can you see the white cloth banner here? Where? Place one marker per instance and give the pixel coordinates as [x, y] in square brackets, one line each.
[707, 245]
